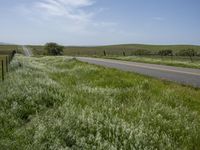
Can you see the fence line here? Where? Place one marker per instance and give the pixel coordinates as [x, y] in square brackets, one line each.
[2, 70]
[5, 64]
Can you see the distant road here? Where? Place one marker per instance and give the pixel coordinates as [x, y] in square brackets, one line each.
[27, 51]
[181, 75]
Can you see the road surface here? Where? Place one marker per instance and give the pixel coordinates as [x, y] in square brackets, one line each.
[181, 75]
[27, 52]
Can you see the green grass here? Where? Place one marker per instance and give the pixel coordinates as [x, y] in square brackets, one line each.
[6, 49]
[116, 52]
[60, 103]
[170, 61]
[115, 49]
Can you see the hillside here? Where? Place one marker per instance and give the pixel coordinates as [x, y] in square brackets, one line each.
[115, 49]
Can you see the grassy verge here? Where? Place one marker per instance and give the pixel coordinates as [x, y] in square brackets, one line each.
[59, 103]
[176, 61]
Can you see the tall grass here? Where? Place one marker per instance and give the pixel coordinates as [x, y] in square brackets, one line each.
[170, 61]
[60, 103]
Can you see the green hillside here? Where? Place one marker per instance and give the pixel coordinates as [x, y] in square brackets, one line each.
[115, 49]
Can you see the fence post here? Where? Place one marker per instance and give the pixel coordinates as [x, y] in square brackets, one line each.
[2, 65]
[9, 58]
[124, 54]
[104, 52]
[6, 63]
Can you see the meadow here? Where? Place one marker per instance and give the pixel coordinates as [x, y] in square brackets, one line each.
[61, 103]
[5, 49]
[127, 52]
[114, 49]
[166, 60]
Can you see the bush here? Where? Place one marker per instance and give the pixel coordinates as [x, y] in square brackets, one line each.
[188, 52]
[141, 52]
[165, 52]
[54, 49]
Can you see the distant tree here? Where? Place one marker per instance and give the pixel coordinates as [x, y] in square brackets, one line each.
[141, 52]
[54, 49]
[188, 52]
[166, 52]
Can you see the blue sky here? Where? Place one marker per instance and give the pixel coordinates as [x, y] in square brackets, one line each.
[97, 22]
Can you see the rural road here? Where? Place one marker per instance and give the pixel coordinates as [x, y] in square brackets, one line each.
[180, 75]
[27, 52]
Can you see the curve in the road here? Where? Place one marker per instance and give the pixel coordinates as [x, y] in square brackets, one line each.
[181, 75]
[27, 52]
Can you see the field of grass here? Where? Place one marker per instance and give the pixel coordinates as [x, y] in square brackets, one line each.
[61, 103]
[5, 49]
[170, 61]
[115, 49]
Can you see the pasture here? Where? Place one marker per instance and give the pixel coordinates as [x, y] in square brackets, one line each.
[5, 49]
[61, 103]
[114, 49]
[127, 52]
[166, 60]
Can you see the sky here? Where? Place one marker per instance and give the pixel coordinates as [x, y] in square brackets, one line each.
[100, 22]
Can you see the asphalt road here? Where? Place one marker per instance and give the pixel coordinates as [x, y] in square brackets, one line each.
[180, 75]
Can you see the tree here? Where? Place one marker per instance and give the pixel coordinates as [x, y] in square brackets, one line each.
[188, 52]
[54, 49]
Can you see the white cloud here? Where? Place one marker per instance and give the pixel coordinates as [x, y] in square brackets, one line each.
[71, 9]
[60, 20]
[78, 16]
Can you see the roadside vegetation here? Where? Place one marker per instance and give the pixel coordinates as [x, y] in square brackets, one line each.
[61, 103]
[173, 55]
[180, 61]
[5, 58]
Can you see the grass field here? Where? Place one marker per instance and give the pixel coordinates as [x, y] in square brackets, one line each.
[61, 103]
[170, 61]
[5, 49]
[115, 49]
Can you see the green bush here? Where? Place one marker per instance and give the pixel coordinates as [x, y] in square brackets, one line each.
[167, 52]
[188, 52]
[141, 52]
[54, 49]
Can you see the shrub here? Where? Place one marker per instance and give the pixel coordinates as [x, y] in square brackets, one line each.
[141, 52]
[167, 52]
[188, 52]
[54, 49]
